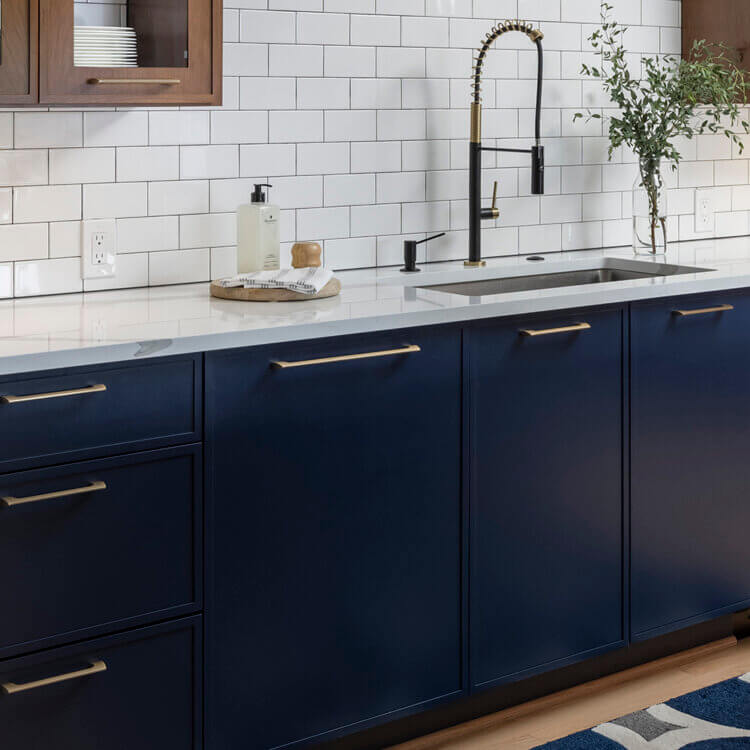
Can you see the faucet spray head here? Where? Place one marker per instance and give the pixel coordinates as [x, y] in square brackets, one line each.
[537, 170]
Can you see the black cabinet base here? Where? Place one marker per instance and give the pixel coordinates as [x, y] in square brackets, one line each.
[497, 699]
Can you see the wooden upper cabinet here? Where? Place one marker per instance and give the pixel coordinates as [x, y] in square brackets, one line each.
[717, 21]
[19, 34]
[179, 57]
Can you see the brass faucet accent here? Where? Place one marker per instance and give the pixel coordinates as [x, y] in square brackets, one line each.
[477, 214]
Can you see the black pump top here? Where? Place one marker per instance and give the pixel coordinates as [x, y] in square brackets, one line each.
[258, 195]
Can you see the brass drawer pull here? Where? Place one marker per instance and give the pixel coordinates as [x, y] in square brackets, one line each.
[126, 81]
[703, 310]
[55, 394]
[10, 688]
[548, 331]
[282, 365]
[10, 501]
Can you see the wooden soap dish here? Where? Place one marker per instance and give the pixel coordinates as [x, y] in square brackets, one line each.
[331, 289]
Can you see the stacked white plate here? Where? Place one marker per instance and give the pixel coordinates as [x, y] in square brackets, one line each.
[105, 47]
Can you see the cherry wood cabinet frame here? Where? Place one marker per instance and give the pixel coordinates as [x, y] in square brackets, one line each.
[199, 83]
[19, 76]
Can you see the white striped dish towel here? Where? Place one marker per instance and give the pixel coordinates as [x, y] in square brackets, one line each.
[303, 280]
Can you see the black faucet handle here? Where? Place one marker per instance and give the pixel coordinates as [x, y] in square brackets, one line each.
[410, 253]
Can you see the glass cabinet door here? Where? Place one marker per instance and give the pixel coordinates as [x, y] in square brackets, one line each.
[18, 51]
[130, 52]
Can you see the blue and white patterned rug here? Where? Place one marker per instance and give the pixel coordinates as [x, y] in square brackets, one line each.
[715, 718]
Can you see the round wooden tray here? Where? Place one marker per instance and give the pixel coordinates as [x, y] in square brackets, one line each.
[331, 289]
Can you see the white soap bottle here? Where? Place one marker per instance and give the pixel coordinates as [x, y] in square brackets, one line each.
[258, 243]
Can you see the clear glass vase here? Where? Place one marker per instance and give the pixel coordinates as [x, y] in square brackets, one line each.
[649, 209]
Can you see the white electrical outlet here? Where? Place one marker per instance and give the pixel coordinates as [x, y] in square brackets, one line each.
[98, 248]
[705, 211]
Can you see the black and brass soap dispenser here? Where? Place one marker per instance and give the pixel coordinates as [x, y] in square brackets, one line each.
[477, 214]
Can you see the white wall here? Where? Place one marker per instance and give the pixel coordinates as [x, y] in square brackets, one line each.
[357, 111]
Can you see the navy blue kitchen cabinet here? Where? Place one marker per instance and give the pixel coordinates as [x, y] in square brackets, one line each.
[690, 460]
[69, 415]
[545, 409]
[91, 546]
[135, 690]
[334, 535]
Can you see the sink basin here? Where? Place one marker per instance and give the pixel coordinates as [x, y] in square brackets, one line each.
[608, 272]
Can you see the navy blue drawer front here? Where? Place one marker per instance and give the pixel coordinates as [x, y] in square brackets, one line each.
[95, 412]
[91, 546]
[138, 690]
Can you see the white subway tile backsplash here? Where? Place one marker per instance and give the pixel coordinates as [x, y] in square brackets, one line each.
[115, 128]
[322, 28]
[358, 112]
[208, 230]
[72, 165]
[48, 129]
[375, 220]
[376, 157]
[268, 93]
[179, 266]
[425, 32]
[401, 125]
[52, 276]
[245, 59]
[23, 167]
[47, 203]
[315, 224]
[147, 234]
[239, 127]
[376, 30]
[349, 190]
[147, 163]
[401, 187]
[177, 128]
[323, 93]
[266, 26]
[280, 159]
[350, 253]
[115, 201]
[295, 127]
[323, 158]
[295, 60]
[401, 62]
[23, 242]
[376, 93]
[183, 197]
[349, 62]
[349, 126]
[65, 239]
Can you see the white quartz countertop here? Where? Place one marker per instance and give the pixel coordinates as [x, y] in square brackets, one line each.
[98, 327]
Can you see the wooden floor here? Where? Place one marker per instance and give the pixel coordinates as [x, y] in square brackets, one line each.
[593, 703]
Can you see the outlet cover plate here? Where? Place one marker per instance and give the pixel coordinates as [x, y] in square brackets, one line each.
[705, 211]
[98, 248]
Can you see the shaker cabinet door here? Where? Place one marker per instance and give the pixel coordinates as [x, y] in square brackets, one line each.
[334, 540]
[18, 51]
[148, 52]
[690, 468]
[545, 446]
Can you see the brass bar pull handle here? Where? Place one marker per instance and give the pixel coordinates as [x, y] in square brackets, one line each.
[55, 394]
[10, 501]
[703, 311]
[134, 81]
[282, 365]
[549, 331]
[11, 688]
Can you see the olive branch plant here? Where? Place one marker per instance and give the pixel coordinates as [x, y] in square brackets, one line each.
[702, 92]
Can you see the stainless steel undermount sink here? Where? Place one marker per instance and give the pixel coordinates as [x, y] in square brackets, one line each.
[608, 270]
